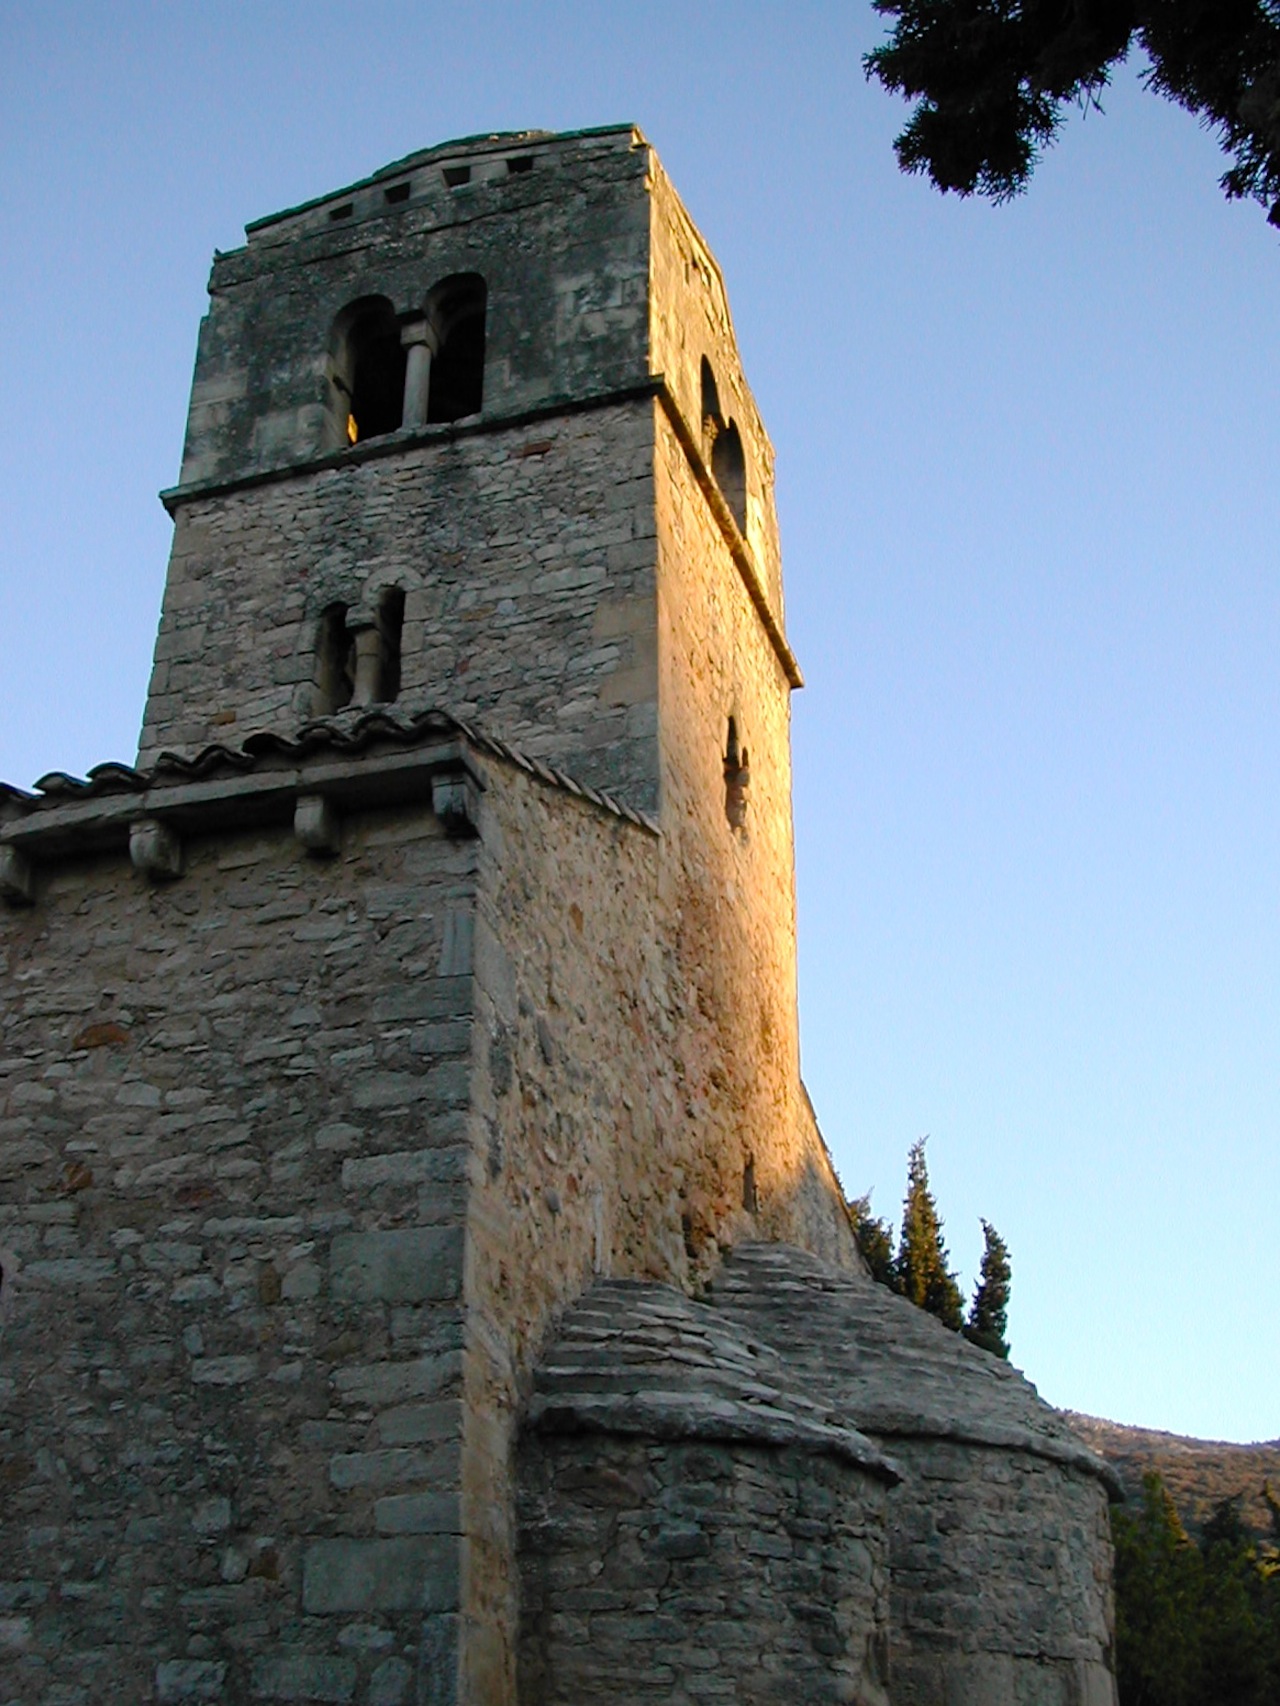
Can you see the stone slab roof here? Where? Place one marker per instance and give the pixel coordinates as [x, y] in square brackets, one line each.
[637, 1357]
[870, 1358]
[267, 756]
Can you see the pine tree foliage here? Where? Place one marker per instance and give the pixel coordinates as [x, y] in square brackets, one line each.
[924, 1275]
[992, 79]
[1196, 1624]
[988, 1323]
[875, 1241]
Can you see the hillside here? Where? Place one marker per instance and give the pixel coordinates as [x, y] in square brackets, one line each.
[1199, 1473]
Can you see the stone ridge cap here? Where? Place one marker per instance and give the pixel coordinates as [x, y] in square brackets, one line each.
[261, 751]
[642, 1358]
[482, 142]
[755, 1270]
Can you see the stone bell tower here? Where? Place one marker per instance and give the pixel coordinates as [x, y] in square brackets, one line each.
[436, 960]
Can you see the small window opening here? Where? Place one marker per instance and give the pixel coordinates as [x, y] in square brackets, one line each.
[456, 313]
[750, 1200]
[366, 372]
[335, 661]
[737, 778]
[456, 176]
[343, 212]
[397, 192]
[520, 163]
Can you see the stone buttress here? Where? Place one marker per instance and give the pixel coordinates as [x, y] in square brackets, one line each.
[394, 1051]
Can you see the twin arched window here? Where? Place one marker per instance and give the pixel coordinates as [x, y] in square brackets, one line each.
[388, 369]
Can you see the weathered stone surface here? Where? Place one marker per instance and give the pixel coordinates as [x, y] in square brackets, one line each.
[664, 1571]
[413, 1265]
[418, 1573]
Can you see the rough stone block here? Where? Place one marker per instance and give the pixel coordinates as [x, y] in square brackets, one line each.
[300, 1676]
[418, 1265]
[189, 1679]
[411, 1573]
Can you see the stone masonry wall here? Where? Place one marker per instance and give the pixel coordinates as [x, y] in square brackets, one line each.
[575, 1107]
[233, 1157]
[683, 1572]
[1000, 1579]
[729, 893]
[526, 557]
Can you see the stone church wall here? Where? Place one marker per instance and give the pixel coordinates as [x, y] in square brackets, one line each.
[233, 1157]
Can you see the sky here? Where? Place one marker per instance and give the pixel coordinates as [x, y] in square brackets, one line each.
[1027, 478]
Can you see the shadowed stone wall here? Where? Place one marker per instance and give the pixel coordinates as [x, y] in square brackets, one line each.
[233, 1163]
[676, 1573]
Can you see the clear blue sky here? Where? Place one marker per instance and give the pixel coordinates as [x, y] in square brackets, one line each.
[1028, 480]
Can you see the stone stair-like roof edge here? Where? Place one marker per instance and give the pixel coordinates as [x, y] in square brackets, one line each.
[706, 1382]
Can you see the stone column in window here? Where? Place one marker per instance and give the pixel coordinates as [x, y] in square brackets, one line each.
[368, 682]
[420, 344]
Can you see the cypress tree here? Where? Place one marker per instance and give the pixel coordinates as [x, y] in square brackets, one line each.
[875, 1241]
[988, 1322]
[923, 1273]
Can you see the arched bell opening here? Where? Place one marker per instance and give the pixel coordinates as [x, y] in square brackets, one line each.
[455, 314]
[366, 373]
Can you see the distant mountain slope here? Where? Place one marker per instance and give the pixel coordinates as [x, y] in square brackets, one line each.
[1199, 1473]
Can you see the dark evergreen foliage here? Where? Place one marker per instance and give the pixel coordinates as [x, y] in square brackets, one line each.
[923, 1271]
[991, 80]
[988, 1323]
[875, 1241]
[1196, 1625]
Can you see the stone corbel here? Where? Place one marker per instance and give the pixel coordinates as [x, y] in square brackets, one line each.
[155, 850]
[317, 825]
[455, 800]
[17, 880]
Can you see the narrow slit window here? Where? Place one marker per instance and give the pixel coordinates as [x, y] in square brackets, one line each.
[456, 176]
[737, 778]
[397, 192]
[729, 466]
[750, 1197]
[390, 629]
[343, 212]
